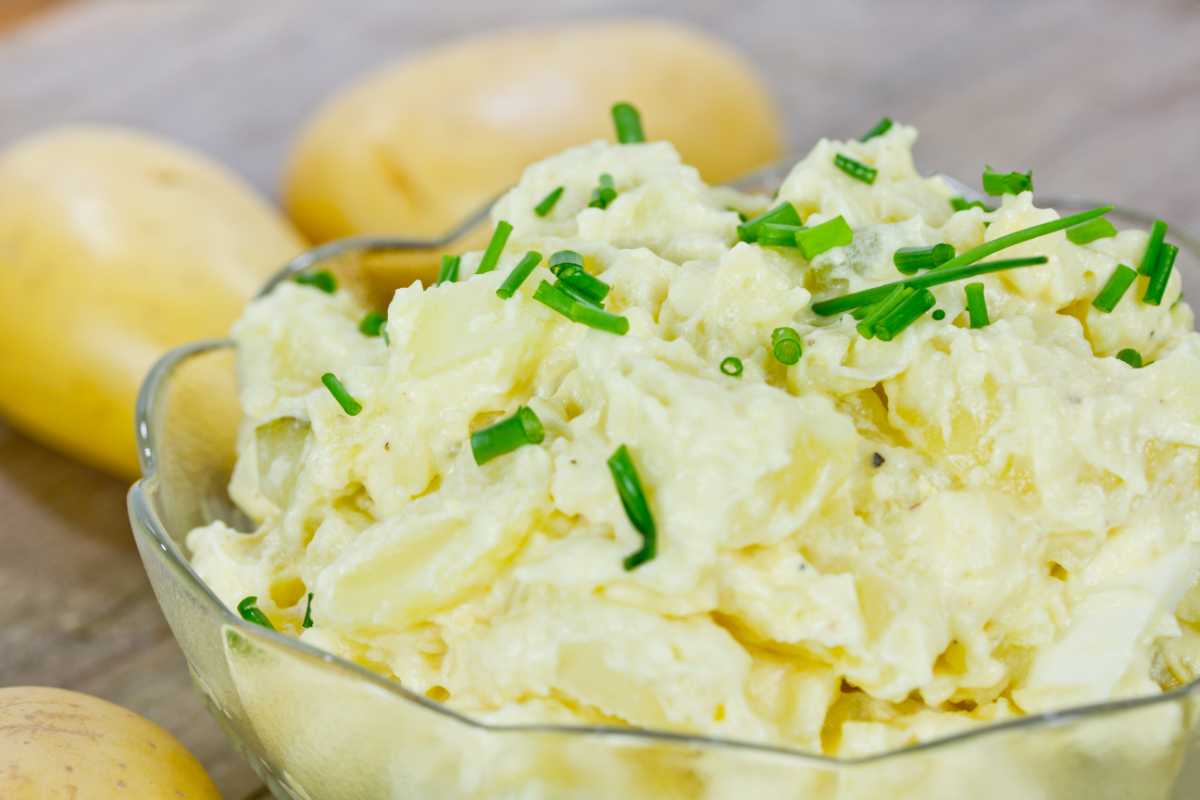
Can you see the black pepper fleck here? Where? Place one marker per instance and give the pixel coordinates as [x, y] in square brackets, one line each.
[877, 460]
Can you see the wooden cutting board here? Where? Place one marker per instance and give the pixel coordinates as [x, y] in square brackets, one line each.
[1102, 99]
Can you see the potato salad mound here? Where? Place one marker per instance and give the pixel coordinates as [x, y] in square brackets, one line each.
[652, 459]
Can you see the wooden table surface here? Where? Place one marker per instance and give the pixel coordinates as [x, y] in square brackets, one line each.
[1100, 99]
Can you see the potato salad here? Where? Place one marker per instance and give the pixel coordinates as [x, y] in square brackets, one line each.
[857, 466]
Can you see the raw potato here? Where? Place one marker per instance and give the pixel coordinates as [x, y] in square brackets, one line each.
[416, 147]
[114, 247]
[58, 744]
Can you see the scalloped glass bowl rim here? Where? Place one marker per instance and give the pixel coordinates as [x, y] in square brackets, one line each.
[142, 507]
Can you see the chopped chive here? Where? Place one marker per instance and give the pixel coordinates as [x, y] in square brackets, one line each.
[555, 298]
[911, 260]
[732, 366]
[522, 428]
[449, 270]
[774, 234]
[637, 509]
[1161, 275]
[518, 275]
[576, 295]
[883, 126]
[786, 345]
[1091, 231]
[876, 313]
[905, 314]
[1114, 288]
[933, 277]
[343, 397]
[1158, 232]
[962, 204]
[604, 193]
[1131, 357]
[491, 256]
[308, 621]
[782, 214]
[997, 183]
[547, 205]
[826, 236]
[855, 169]
[322, 279]
[561, 257]
[250, 612]
[1024, 235]
[599, 319]
[628, 123]
[590, 286]
[938, 314]
[372, 324]
[977, 310]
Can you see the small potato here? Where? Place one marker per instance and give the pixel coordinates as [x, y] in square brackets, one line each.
[58, 744]
[114, 247]
[416, 147]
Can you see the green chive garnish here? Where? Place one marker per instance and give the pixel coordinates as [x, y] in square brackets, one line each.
[962, 204]
[554, 298]
[1114, 288]
[826, 236]
[603, 194]
[547, 205]
[1131, 357]
[934, 277]
[1161, 275]
[1024, 235]
[562, 257]
[599, 319]
[774, 234]
[308, 622]
[905, 314]
[732, 366]
[1158, 232]
[576, 295]
[783, 214]
[372, 324]
[591, 287]
[628, 123]
[449, 270]
[876, 313]
[345, 400]
[883, 126]
[633, 499]
[855, 169]
[522, 428]
[1091, 231]
[996, 183]
[786, 345]
[938, 314]
[911, 260]
[322, 279]
[976, 305]
[518, 275]
[250, 612]
[491, 256]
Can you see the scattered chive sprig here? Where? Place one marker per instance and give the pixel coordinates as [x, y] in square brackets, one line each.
[883, 126]
[776, 234]
[1091, 231]
[855, 169]
[1114, 288]
[549, 201]
[321, 279]
[637, 508]
[604, 193]
[826, 236]
[876, 313]
[786, 345]
[1158, 232]
[909, 311]
[911, 260]
[491, 256]
[518, 275]
[505, 436]
[570, 307]
[448, 273]
[308, 620]
[1131, 357]
[977, 310]
[960, 203]
[372, 324]
[586, 284]
[249, 610]
[628, 123]
[732, 366]
[783, 214]
[1161, 275]
[344, 399]
[998, 183]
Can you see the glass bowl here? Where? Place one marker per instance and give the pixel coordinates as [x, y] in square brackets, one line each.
[318, 727]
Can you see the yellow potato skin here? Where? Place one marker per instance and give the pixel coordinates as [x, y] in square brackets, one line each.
[414, 148]
[59, 744]
[114, 247]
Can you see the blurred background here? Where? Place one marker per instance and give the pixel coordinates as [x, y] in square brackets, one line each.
[1100, 99]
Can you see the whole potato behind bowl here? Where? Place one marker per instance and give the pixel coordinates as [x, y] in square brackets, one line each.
[114, 247]
[416, 147]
